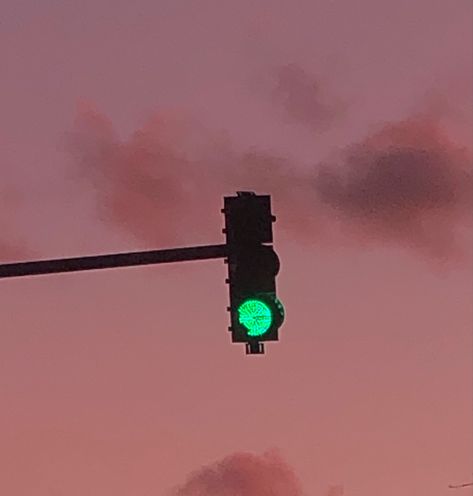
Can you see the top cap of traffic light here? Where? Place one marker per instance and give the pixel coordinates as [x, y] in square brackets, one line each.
[248, 218]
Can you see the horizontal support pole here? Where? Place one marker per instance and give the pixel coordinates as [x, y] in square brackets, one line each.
[112, 261]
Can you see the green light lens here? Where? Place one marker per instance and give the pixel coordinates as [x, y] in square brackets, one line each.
[256, 316]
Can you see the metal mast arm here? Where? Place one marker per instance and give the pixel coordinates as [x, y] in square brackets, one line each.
[115, 260]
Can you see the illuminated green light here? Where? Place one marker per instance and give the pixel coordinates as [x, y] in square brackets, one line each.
[256, 316]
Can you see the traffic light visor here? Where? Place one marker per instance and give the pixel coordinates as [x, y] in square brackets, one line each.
[256, 316]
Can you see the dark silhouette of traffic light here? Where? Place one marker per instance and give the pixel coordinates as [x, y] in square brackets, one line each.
[256, 313]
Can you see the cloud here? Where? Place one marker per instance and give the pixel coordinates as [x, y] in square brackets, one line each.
[243, 474]
[407, 184]
[247, 474]
[304, 98]
[143, 183]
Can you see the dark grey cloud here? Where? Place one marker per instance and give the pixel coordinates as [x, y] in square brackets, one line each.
[407, 184]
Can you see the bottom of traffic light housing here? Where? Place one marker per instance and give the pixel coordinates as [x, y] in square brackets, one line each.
[254, 348]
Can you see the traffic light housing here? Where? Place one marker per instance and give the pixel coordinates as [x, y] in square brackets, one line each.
[256, 313]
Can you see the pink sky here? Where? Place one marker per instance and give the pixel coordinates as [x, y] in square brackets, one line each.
[123, 125]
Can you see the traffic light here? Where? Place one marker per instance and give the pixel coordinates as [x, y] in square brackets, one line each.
[256, 313]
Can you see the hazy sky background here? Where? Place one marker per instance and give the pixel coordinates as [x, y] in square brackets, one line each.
[122, 126]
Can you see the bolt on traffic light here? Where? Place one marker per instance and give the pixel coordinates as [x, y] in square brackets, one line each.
[256, 313]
